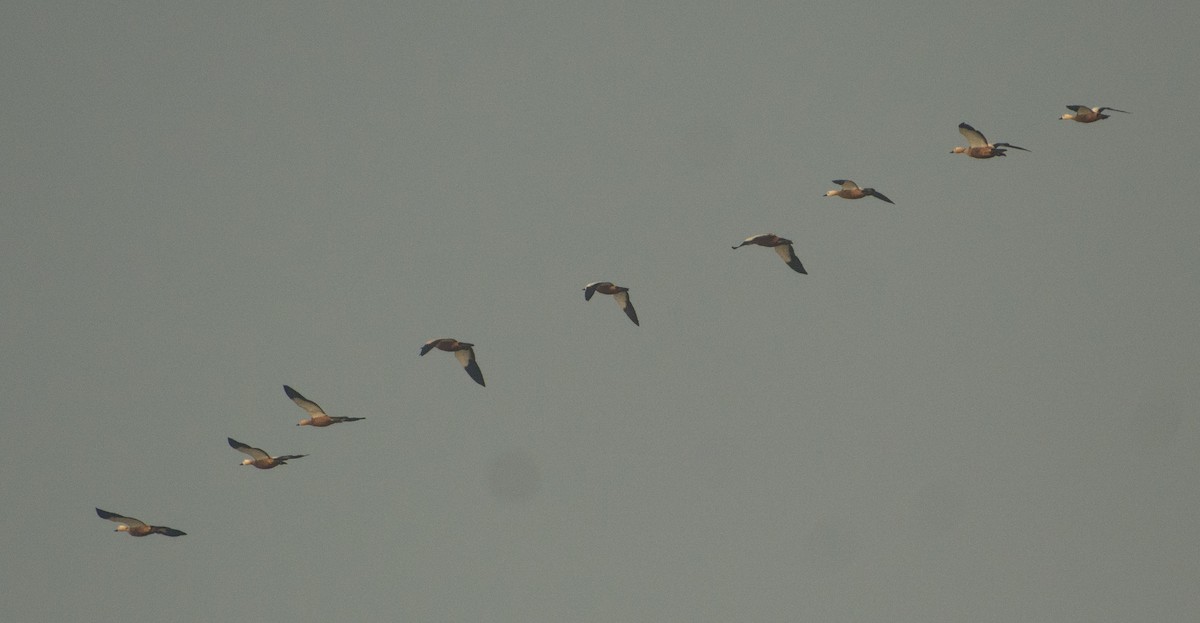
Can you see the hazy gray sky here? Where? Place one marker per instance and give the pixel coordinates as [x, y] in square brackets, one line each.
[980, 405]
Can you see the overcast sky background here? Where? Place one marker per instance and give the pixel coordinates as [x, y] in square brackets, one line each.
[980, 405]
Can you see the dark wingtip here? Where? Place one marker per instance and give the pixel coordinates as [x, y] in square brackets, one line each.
[473, 371]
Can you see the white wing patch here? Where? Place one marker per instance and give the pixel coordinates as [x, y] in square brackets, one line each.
[974, 137]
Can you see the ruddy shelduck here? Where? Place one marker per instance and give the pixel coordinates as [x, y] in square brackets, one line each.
[259, 458]
[1083, 114]
[782, 246]
[137, 528]
[850, 190]
[978, 146]
[463, 352]
[316, 414]
[619, 294]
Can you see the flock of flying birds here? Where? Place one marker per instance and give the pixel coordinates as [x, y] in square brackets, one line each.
[977, 147]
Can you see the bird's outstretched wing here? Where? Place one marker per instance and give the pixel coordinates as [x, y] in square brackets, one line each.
[788, 254]
[876, 193]
[255, 453]
[430, 345]
[129, 521]
[302, 402]
[466, 357]
[622, 299]
[974, 137]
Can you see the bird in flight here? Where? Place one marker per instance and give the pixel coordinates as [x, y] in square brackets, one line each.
[316, 414]
[977, 145]
[136, 527]
[850, 190]
[619, 294]
[782, 246]
[259, 458]
[1083, 114]
[464, 352]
